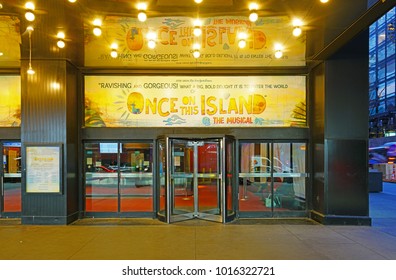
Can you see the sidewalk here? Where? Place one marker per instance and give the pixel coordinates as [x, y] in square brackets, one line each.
[383, 209]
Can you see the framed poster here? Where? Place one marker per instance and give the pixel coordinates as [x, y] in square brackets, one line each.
[43, 168]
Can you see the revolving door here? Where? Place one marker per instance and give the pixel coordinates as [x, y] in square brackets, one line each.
[196, 179]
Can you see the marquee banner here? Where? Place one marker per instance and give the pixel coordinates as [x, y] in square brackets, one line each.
[175, 39]
[195, 101]
[10, 96]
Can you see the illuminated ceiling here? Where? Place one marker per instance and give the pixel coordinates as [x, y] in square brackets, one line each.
[327, 26]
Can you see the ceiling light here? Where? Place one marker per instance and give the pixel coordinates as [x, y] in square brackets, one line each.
[196, 52]
[142, 16]
[1, 53]
[278, 51]
[297, 31]
[253, 16]
[297, 23]
[113, 52]
[61, 39]
[324, 1]
[242, 44]
[242, 37]
[198, 1]
[97, 30]
[72, 1]
[253, 7]
[61, 44]
[29, 15]
[151, 37]
[142, 7]
[1, 6]
[30, 70]
[197, 28]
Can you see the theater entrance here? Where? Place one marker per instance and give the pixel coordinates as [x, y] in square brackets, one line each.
[196, 179]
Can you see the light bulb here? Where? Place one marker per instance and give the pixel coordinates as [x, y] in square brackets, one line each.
[72, 1]
[142, 17]
[278, 54]
[196, 54]
[253, 17]
[30, 6]
[253, 6]
[142, 7]
[324, 1]
[242, 36]
[297, 31]
[60, 35]
[151, 37]
[196, 48]
[242, 43]
[197, 31]
[278, 50]
[30, 71]
[61, 44]
[114, 53]
[97, 31]
[198, 1]
[114, 47]
[29, 15]
[151, 44]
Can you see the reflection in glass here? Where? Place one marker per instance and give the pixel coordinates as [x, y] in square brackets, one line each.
[162, 177]
[136, 177]
[12, 176]
[101, 177]
[272, 177]
[118, 177]
[255, 176]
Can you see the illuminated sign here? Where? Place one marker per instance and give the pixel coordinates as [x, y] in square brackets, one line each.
[189, 101]
[175, 39]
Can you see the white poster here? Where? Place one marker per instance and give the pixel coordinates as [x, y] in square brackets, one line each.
[43, 169]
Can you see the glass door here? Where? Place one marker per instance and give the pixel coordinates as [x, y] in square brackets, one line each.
[195, 180]
[118, 179]
[10, 179]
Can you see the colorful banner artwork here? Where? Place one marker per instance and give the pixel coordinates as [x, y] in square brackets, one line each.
[175, 40]
[10, 96]
[10, 41]
[194, 101]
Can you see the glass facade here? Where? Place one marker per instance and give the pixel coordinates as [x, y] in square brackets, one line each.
[382, 76]
[272, 178]
[118, 177]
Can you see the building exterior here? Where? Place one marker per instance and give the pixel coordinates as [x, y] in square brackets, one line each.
[382, 76]
[128, 125]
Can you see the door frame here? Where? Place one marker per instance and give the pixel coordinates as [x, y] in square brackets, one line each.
[4, 214]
